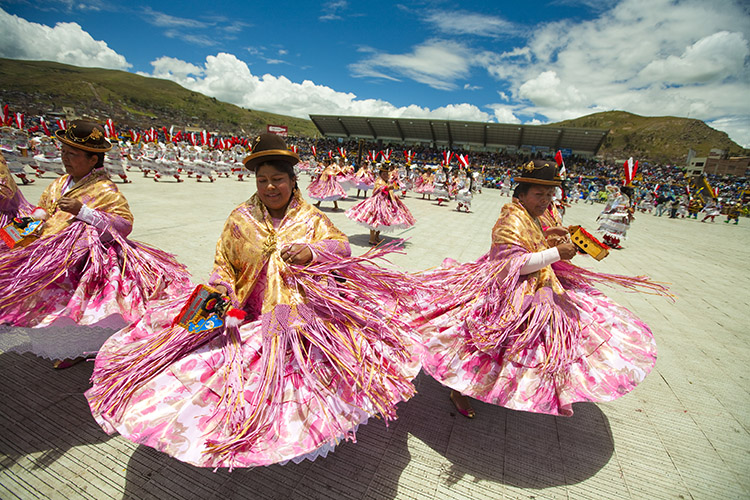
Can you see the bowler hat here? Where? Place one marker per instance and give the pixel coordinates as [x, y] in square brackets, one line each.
[88, 136]
[541, 172]
[269, 147]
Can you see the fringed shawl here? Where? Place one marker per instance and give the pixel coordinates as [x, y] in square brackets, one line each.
[95, 190]
[504, 312]
[12, 202]
[340, 307]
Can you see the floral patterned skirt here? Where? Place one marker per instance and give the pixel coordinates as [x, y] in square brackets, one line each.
[615, 353]
[64, 295]
[380, 212]
[326, 190]
[180, 410]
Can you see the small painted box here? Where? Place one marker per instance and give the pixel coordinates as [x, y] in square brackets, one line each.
[586, 242]
[204, 310]
[21, 232]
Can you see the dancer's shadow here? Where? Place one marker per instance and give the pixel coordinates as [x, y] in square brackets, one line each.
[44, 410]
[369, 468]
[520, 449]
[502, 446]
[363, 240]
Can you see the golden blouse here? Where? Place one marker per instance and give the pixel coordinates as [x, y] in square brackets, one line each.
[95, 190]
[250, 242]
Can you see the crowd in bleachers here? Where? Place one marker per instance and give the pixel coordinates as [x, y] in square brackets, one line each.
[498, 167]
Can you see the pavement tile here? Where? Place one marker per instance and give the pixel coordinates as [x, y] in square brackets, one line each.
[683, 433]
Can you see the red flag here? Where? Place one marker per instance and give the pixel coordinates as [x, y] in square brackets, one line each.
[559, 158]
[111, 126]
[4, 115]
[560, 163]
[61, 124]
[314, 151]
[630, 170]
[463, 160]
[43, 123]
[19, 120]
[447, 155]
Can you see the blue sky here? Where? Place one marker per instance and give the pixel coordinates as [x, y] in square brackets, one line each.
[509, 62]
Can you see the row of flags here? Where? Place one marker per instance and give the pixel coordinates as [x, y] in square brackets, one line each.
[204, 138]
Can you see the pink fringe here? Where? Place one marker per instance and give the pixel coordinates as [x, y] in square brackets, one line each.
[572, 276]
[79, 252]
[340, 319]
[337, 321]
[502, 316]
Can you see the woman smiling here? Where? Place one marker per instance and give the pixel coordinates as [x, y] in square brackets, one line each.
[312, 345]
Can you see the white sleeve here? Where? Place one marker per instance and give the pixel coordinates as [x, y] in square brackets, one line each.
[87, 215]
[539, 260]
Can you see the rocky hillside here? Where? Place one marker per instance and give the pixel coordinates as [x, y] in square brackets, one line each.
[40, 87]
[663, 139]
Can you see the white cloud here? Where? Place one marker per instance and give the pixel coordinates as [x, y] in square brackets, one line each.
[469, 23]
[204, 40]
[437, 63]
[206, 33]
[716, 57]
[170, 68]
[650, 57]
[229, 79]
[65, 43]
[737, 126]
[504, 114]
[165, 20]
[331, 10]
[546, 90]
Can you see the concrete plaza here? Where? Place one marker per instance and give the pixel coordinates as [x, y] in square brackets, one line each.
[683, 433]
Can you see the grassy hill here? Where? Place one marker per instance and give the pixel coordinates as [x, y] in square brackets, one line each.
[130, 100]
[40, 87]
[658, 138]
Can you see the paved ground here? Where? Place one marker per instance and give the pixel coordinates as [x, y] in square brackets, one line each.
[681, 434]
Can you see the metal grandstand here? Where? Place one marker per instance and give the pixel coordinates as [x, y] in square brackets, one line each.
[470, 135]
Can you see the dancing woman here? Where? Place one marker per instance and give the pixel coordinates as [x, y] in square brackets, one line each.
[64, 294]
[311, 348]
[12, 202]
[326, 187]
[383, 211]
[523, 328]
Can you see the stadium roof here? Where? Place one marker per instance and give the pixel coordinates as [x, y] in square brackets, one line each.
[449, 133]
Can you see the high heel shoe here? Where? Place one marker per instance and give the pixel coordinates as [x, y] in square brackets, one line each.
[462, 404]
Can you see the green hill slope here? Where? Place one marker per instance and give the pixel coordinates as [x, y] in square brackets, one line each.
[39, 87]
[659, 138]
[130, 100]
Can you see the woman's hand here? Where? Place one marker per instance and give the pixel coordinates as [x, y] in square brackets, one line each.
[69, 205]
[296, 253]
[566, 250]
[556, 235]
[556, 231]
